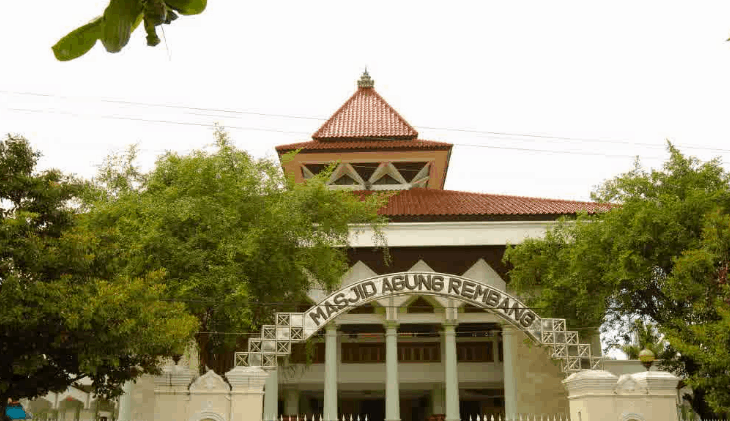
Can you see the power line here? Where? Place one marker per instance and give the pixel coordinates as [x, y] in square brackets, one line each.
[474, 333]
[255, 303]
[182, 123]
[451, 129]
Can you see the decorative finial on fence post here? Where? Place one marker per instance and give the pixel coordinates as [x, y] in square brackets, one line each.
[647, 358]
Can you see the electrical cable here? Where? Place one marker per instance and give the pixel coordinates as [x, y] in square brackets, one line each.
[450, 129]
[245, 128]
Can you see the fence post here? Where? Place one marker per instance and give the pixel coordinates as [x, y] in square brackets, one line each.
[597, 395]
[172, 394]
[247, 393]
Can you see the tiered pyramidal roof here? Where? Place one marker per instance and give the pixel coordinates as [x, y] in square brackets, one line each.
[365, 121]
[366, 115]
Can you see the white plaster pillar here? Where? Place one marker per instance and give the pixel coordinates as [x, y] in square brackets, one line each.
[437, 399]
[330, 373]
[125, 402]
[509, 348]
[392, 392]
[271, 396]
[172, 395]
[452, 374]
[247, 390]
[597, 395]
[291, 402]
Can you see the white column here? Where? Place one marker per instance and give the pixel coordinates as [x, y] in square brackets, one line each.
[291, 402]
[437, 399]
[330, 373]
[125, 402]
[172, 393]
[247, 384]
[271, 396]
[392, 392]
[452, 375]
[509, 347]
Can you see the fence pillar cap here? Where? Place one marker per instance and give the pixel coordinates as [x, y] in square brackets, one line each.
[654, 381]
[597, 381]
[175, 375]
[247, 377]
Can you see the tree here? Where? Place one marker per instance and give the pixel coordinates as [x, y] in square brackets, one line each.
[236, 237]
[120, 19]
[702, 333]
[64, 312]
[646, 337]
[647, 257]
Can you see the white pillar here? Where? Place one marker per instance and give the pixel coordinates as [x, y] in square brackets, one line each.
[172, 393]
[125, 402]
[509, 347]
[392, 392]
[291, 402]
[271, 396]
[452, 375]
[437, 399]
[247, 389]
[330, 373]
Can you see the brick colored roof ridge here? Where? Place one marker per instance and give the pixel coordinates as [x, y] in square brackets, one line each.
[433, 202]
[365, 143]
[529, 197]
[345, 124]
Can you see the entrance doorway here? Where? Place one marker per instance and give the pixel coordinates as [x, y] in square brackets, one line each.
[470, 408]
[374, 408]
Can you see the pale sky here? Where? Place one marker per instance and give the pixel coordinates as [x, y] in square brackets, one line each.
[610, 79]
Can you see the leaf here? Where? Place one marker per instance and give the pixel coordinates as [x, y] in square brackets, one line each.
[187, 7]
[120, 18]
[79, 41]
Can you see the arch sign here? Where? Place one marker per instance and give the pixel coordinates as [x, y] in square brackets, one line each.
[291, 328]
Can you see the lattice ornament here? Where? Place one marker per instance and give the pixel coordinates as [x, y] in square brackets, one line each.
[565, 346]
[276, 340]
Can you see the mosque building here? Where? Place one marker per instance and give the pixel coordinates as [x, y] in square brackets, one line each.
[436, 333]
[432, 334]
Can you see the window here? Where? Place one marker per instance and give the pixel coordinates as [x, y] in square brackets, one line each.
[363, 353]
[474, 352]
[408, 352]
[419, 352]
[299, 353]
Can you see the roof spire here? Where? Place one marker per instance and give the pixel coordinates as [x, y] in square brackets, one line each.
[365, 80]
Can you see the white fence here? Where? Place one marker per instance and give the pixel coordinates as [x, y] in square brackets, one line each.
[364, 417]
[486, 417]
[681, 418]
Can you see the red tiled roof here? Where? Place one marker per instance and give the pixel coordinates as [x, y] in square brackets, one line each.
[379, 144]
[365, 115]
[432, 202]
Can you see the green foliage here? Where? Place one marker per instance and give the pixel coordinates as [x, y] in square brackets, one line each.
[655, 256]
[702, 330]
[647, 337]
[64, 311]
[120, 19]
[237, 239]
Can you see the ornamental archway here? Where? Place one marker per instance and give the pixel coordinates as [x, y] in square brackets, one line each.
[291, 328]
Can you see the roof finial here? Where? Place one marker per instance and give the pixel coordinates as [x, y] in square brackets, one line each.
[365, 80]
